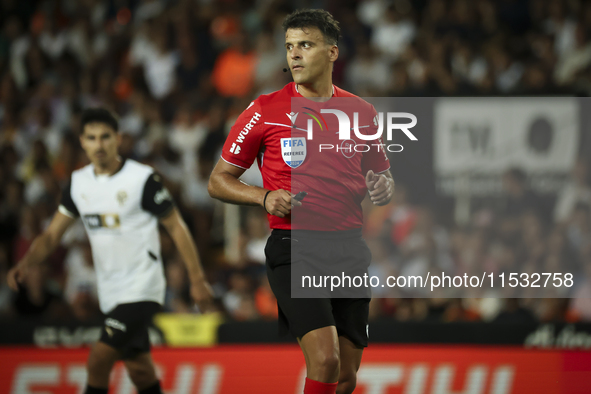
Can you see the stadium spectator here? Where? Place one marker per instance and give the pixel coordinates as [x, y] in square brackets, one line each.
[367, 73]
[177, 288]
[265, 301]
[578, 190]
[518, 197]
[513, 312]
[38, 297]
[234, 71]
[392, 33]
[5, 293]
[80, 288]
[238, 300]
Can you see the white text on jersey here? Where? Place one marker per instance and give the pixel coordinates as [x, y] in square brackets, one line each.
[245, 131]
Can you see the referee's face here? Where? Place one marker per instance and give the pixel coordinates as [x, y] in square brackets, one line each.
[100, 142]
[309, 56]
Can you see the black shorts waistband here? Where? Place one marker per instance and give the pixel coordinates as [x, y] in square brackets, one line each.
[304, 234]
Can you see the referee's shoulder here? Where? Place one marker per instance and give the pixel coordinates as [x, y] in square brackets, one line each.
[273, 97]
[343, 93]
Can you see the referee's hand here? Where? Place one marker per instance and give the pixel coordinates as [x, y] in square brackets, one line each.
[380, 188]
[202, 295]
[279, 203]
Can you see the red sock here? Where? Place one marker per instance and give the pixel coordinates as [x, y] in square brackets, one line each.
[315, 387]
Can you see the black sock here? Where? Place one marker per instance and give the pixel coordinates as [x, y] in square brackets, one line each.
[95, 390]
[153, 389]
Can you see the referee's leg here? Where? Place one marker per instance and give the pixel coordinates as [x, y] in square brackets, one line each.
[321, 352]
[330, 358]
[350, 356]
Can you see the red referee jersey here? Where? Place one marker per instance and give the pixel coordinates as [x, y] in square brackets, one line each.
[274, 131]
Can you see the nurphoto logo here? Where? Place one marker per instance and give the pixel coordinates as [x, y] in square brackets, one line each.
[348, 145]
[360, 124]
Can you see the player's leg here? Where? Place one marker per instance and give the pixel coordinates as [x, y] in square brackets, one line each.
[101, 359]
[124, 336]
[350, 356]
[321, 351]
[137, 357]
[143, 374]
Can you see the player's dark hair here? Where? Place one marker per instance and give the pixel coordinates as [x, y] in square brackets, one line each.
[98, 115]
[323, 20]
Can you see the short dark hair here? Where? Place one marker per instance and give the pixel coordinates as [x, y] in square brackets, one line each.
[98, 115]
[321, 19]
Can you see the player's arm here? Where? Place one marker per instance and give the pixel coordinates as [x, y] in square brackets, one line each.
[225, 185]
[380, 187]
[43, 245]
[157, 200]
[201, 291]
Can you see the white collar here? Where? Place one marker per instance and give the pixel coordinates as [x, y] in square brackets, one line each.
[299, 91]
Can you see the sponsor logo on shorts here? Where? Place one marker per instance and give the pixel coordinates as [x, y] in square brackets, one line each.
[116, 324]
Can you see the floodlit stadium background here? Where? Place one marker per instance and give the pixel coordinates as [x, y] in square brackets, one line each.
[179, 72]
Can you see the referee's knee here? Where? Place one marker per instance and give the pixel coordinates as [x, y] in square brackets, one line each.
[327, 365]
[347, 384]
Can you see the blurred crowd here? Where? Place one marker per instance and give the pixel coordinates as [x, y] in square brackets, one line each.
[517, 234]
[178, 73]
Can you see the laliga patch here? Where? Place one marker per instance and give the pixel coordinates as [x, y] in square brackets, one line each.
[293, 151]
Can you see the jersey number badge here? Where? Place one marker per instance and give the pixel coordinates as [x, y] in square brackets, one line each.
[293, 151]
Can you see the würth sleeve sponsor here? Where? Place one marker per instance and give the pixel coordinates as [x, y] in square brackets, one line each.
[67, 206]
[375, 159]
[244, 141]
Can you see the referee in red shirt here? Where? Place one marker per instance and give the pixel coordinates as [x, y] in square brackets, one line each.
[332, 332]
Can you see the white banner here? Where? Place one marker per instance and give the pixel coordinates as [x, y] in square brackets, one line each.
[489, 135]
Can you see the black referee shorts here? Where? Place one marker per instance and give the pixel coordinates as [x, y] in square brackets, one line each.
[302, 315]
[126, 328]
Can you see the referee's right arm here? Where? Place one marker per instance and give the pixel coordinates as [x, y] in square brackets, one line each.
[225, 185]
[43, 245]
[244, 142]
